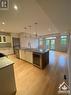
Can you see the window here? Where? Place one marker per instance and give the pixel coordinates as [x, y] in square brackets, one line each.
[63, 37]
[51, 38]
[63, 40]
[41, 43]
[47, 43]
[50, 42]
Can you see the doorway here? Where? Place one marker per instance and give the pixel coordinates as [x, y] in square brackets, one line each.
[50, 44]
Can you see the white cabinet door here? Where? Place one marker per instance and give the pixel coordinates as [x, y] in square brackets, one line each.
[29, 56]
[26, 55]
[22, 54]
[8, 39]
[2, 39]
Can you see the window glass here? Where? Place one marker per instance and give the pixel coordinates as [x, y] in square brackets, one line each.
[47, 43]
[52, 44]
[63, 40]
[41, 42]
[63, 36]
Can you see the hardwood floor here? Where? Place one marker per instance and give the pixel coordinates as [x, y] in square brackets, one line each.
[30, 80]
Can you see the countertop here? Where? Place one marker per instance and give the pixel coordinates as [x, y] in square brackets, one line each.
[35, 50]
[4, 62]
[5, 48]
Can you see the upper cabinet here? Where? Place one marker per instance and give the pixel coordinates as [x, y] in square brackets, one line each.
[0, 39]
[5, 39]
[8, 39]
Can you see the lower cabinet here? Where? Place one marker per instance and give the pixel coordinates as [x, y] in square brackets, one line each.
[16, 52]
[26, 55]
[7, 81]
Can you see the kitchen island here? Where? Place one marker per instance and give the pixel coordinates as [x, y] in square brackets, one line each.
[37, 57]
[7, 79]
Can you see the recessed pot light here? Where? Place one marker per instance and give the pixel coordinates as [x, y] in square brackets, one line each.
[3, 23]
[15, 7]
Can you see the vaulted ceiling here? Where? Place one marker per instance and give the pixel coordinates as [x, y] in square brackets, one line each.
[59, 11]
[52, 16]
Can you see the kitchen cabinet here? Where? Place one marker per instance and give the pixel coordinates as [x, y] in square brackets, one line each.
[22, 54]
[41, 59]
[16, 51]
[7, 77]
[2, 39]
[26, 55]
[5, 39]
[8, 39]
[37, 57]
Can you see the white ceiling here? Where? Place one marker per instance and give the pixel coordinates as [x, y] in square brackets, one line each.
[51, 16]
[59, 11]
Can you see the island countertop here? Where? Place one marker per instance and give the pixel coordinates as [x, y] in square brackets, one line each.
[36, 56]
[35, 50]
[4, 62]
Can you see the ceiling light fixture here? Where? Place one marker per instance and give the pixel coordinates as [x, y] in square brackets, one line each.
[29, 44]
[36, 28]
[30, 29]
[16, 7]
[25, 31]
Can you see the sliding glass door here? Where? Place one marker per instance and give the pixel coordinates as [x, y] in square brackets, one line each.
[52, 44]
[47, 44]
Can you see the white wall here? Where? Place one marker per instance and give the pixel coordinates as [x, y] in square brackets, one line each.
[69, 62]
[15, 35]
[24, 41]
